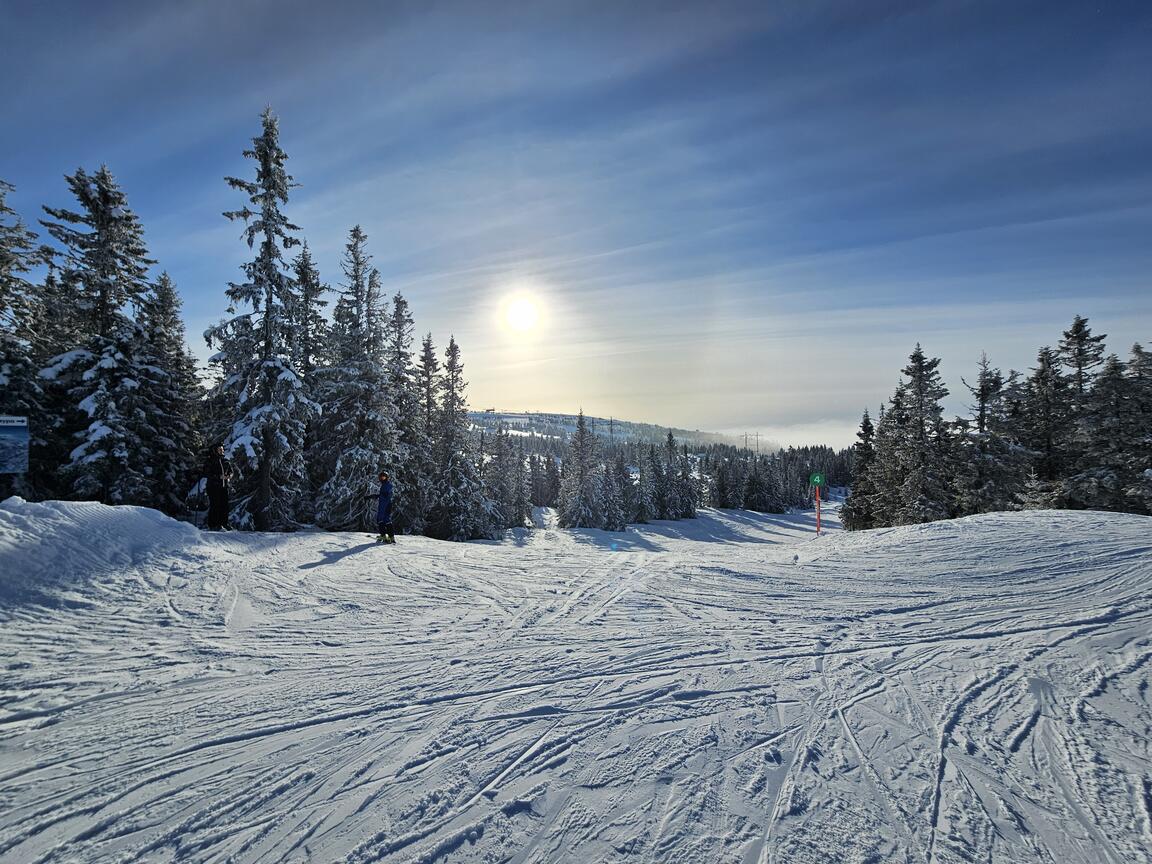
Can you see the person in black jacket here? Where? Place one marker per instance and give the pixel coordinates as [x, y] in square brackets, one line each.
[384, 509]
[217, 472]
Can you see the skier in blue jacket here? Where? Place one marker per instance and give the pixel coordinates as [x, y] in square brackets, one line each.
[384, 509]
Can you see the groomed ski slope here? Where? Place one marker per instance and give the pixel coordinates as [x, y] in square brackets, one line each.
[724, 690]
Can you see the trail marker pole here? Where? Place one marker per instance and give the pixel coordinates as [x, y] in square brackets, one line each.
[817, 511]
[817, 480]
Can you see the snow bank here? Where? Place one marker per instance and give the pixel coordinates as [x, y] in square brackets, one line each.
[52, 549]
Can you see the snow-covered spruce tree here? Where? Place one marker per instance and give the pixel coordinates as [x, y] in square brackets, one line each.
[756, 493]
[1112, 436]
[1081, 352]
[311, 331]
[626, 485]
[988, 466]
[357, 432]
[1045, 424]
[856, 512]
[674, 507]
[659, 480]
[105, 263]
[924, 493]
[686, 488]
[266, 428]
[412, 478]
[23, 342]
[500, 479]
[428, 386]
[581, 504]
[646, 505]
[522, 498]
[613, 505]
[551, 481]
[885, 475]
[728, 488]
[1036, 494]
[59, 331]
[536, 480]
[172, 396]
[460, 510]
[310, 353]
[1139, 371]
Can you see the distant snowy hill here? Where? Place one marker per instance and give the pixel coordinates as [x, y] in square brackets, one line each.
[563, 425]
[728, 689]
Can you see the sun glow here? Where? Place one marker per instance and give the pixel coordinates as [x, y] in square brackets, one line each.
[521, 314]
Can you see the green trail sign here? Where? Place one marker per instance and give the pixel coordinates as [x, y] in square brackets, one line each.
[817, 479]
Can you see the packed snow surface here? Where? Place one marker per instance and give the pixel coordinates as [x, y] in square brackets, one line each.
[726, 689]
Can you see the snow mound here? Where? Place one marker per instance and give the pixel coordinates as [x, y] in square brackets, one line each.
[987, 538]
[51, 550]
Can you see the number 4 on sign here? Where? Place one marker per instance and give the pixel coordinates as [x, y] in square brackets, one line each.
[817, 480]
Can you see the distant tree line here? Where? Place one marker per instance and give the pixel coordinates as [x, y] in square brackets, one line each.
[1075, 433]
[599, 484]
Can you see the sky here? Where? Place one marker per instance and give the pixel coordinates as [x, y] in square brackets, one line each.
[728, 216]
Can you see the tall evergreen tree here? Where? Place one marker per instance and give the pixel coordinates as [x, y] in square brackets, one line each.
[22, 340]
[500, 479]
[428, 384]
[522, 495]
[856, 512]
[1113, 436]
[106, 267]
[1045, 424]
[646, 504]
[551, 482]
[460, 510]
[412, 478]
[625, 485]
[105, 259]
[757, 496]
[1081, 352]
[581, 503]
[673, 506]
[887, 471]
[988, 468]
[358, 437]
[312, 327]
[688, 491]
[267, 430]
[659, 481]
[924, 495]
[1139, 371]
[611, 502]
[172, 392]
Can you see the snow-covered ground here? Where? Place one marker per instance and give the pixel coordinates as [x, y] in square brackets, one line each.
[728, 689]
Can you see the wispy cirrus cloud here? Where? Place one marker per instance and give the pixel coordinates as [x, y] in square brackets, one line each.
[738, 214]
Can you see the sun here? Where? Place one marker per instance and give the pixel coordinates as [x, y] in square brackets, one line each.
[521, 314]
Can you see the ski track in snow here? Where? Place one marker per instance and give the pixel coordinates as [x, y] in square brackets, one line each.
[724, 689]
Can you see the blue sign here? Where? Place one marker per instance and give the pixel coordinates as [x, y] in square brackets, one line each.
[13, 445]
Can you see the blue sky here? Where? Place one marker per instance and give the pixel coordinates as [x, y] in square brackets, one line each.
[733, 216]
